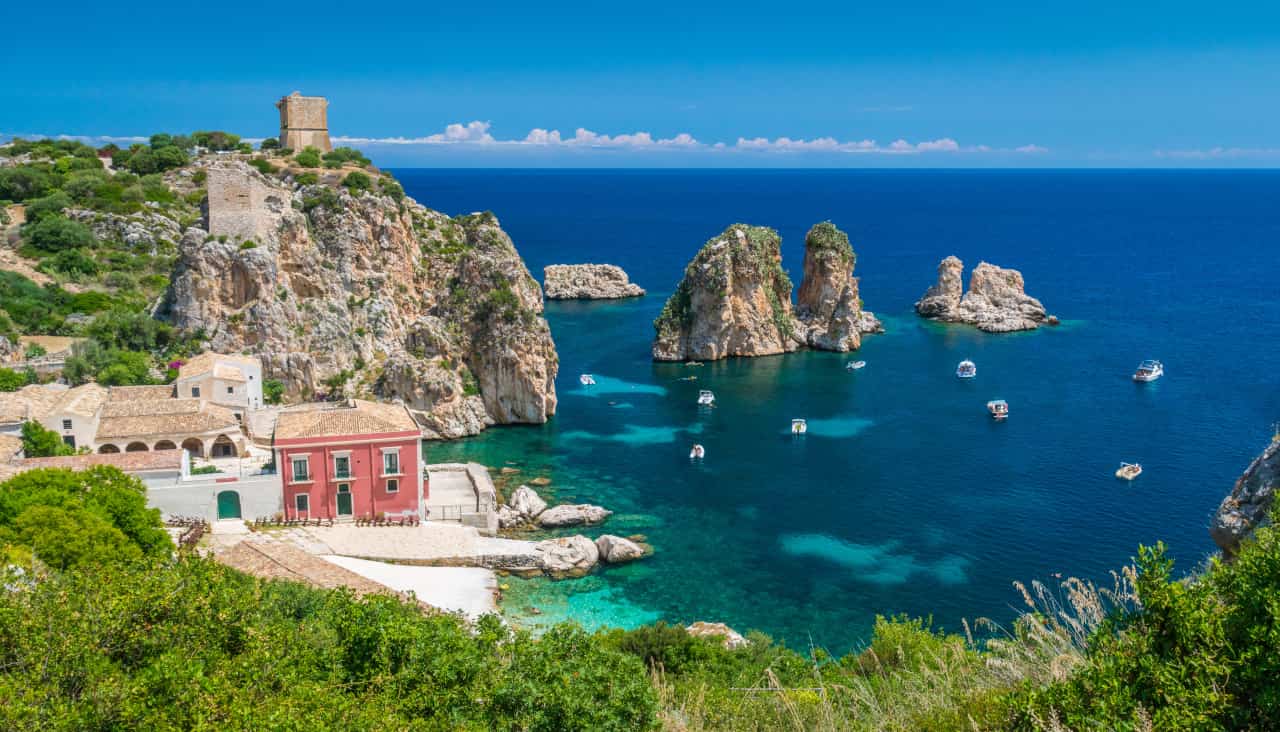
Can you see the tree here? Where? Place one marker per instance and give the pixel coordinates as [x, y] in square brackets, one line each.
[56, 233]
[273, 391]
[40, 442]
[11, 380]
[132, 331]
[270, 143]
[126, 368]
[24, 182]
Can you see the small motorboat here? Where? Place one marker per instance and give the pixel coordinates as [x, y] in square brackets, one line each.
[799, 427]
[854, 365]
[693, 363]
[999, 409]
[587, 380]
[698, 452]
[1149, 370]
[706, 398]
[967, 369]
[1129, 471]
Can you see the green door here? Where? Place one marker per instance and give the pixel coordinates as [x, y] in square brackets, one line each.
[228, 505]
[344, 499]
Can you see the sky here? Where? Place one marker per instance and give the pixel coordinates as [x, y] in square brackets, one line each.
[695, 84]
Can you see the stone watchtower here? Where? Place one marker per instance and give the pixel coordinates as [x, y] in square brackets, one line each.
[304, 122]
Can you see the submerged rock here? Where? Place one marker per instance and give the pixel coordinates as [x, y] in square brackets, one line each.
[572, 515]
[827, 305]
[1249, 503]
[615, 549]
[569, 556]
[996, 301]
[369, 289]
[588, 282]
[732, 639]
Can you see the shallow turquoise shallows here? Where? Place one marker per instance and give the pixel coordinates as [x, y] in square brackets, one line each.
[904, 496]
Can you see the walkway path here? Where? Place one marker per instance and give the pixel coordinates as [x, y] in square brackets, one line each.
[469, 590]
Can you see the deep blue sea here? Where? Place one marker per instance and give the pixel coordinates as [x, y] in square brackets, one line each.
[904, 497]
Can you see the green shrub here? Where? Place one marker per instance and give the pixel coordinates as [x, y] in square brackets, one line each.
[11, 380]
[306, 179]
[40, 442]
[273, 391]
[269, 143]
[46, 206]
[215, 140]
[263, 166]
[199, 177]
[34, 350]
[71, 262]
[357, 181]
[340, 155]
[24, 182]
[390, 187]
[248, 244]
[58, 233]
[324, 198]
[308, 158]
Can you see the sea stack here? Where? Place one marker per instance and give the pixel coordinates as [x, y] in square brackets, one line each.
[1249, 503]
[588, 282]
[996, 301]
[828, 305]
[735, 299]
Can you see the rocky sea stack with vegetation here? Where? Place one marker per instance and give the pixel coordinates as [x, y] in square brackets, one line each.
[735, 299]
[317, 263]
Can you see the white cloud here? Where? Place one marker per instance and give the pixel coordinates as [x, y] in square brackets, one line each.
[1031, 149]
[1220, 153]
[472, 132]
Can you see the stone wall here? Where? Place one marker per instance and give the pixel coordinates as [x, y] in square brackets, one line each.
[242, 207]
[304, 122]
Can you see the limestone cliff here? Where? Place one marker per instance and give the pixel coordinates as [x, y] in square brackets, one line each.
[1250, 501]
[734, 300]
[588, 282]
[996, 301]
[369, 293]
[827, 304]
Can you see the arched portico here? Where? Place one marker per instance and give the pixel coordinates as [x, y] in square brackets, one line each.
[193, 446]
[108, 449]
[137, 447]
[165, 445]
[223, 446]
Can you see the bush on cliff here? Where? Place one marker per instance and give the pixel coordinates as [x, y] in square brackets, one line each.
[53, 234]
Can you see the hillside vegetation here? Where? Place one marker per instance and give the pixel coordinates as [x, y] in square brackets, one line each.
[101, 629]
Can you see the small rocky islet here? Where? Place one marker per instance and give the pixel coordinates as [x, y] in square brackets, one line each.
[588, 282]
[996, 302]
[735, 299]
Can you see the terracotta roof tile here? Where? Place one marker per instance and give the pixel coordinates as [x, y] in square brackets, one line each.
[164, 417]
[331, 420]
[30, 402]
[147, 393]
[83, 400]
[207, 361]
[126, 461]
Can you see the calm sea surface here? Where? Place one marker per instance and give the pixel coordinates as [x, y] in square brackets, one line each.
[904, 497]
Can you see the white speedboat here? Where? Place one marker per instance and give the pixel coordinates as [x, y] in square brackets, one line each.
[855, 365]
[799, 427]
[1129, 471]
[587, 380]
[706, 398]
[967, 369]
[698, 452]
[999, 409]
[1148, 370]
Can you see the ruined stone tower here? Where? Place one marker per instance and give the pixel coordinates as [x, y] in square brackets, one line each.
[304, 122]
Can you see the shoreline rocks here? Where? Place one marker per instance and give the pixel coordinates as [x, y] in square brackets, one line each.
[731, 638]
[567, 556]
[588, 282]
[1249, 503]
[580, 514]
[735, 299]
[616, 550]
[996, 301]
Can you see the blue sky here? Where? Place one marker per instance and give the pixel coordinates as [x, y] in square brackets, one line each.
[934, 84]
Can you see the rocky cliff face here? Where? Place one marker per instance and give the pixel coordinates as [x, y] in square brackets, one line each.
[373, 295]
[735, 299]
[1249, 503]
[827, 306]
[588, 282]
[996, 301]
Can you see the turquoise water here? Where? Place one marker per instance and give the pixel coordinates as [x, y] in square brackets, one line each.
[904, 496]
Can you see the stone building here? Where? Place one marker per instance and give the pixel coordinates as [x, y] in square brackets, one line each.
[304, 122]
[241, 206]
[228, 380]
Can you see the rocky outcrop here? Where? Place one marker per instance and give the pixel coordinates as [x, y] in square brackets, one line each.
[731, 638]
[572, 515]
[569, 556]
[827, 305]
[588, 282]
[996, 301]
[370, 294]
[735, 299]
[616, 550]
[1250, 501]
[527, 502]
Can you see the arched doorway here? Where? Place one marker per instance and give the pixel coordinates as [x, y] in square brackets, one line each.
[193, 446]
[137, 447]
[166, 445]
[223, 447]
[108, 449]
[228, 505]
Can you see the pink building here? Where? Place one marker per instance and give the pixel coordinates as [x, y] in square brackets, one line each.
[350, 460]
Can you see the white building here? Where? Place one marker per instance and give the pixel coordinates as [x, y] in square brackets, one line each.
[74, 416]
[230, 381]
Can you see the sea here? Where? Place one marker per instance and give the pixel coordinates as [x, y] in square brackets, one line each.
[904, 497]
